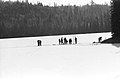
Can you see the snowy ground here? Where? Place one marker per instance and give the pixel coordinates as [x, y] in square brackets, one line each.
[20, 58]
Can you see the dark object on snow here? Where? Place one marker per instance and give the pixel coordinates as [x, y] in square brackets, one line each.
[75, 40]
[114, 41]
[111, 41]
[70, 41]
[94, 42]
[99, 39]
[65, 41]
[59, 41]
[39, 42]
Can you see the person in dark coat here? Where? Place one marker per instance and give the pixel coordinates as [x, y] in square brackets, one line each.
[70, 41]
[62, 40]
[59, 41]
[99, 39]
[39, 42]
[65, 41]
[75, 40]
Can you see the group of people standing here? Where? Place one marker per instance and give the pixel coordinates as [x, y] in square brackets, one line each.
[63, 41]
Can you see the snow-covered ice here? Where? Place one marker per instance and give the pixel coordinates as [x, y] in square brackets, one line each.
[50, 40]
[21, 58]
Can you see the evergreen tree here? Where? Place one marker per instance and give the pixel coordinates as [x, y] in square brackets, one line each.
[115, 18]
[18, 19]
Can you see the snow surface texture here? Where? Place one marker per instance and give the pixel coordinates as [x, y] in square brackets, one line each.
[21, 58]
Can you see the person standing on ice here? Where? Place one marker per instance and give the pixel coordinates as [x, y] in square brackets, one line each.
[99, 39]
[75, 40]
[65, 41]
[62, 40]
[59, 41]
[39, 42]
[70, 41]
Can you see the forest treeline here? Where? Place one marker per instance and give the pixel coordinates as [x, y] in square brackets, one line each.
[19, 19]
[115, 19]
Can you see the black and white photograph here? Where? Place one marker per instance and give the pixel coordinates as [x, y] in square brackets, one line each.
[59, 39]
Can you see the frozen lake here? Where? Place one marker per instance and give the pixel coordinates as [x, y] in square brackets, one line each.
[50, 40]
[20, 58]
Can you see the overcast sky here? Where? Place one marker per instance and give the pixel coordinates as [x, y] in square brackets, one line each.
[66, 2]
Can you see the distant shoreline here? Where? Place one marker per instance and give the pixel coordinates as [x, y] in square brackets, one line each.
[49, 35]
[111, 41]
